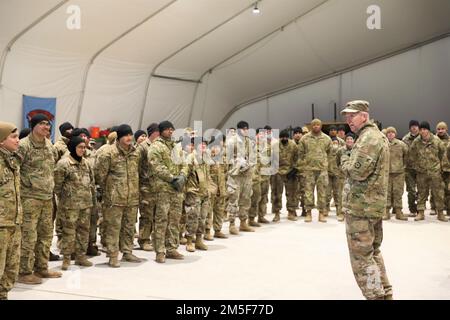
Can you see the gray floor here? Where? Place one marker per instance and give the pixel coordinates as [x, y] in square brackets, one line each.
[288, 260]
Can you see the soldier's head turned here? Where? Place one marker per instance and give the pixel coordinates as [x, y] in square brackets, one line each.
[140, 136]
[341, 132]
[9, 136]
[356, 114]
[40, 125]
[66, 129]
[316, 126]
[153, 131]
[441, 129]
[166, 129]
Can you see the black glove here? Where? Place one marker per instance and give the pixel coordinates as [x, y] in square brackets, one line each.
[178, 182]
[292, 174]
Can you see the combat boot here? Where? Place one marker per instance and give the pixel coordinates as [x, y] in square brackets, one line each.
[47, 274]
[441, 216]
[399, 215]
[308, 217]
[29, 279]
[340, 217]
[325, 212]
[199, 243]
[66, 263]
[129, 257]
[253, 223]
[53, 257]
[387, 215]
[261, 219]
[244, 226]
[420, 216]
[174, 254]
[147, 246]
[160, 257]
[92, 250]
[322, 216]
[233, 229]
[189, 245]
[220, 235]
[208, 236]
[277, 217]
[82, 261]
[292, 216]
[114, 262]
[303, 212]
[183, 240]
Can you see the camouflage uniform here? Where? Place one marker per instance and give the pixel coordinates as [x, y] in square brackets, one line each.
[61, 150]
[75, 189]
[10, 221]
[300, 181]
[169, 204]
[264, 155]
[313, 152]
[256, 192]
[335, 179]
[217, 200]
[364, 202]
[445, 139]
[61, 147]
[410, 176]
[90, 155]
[37, 182]
[287, 158]
[427, 157]
[117, 174]
[398, 157]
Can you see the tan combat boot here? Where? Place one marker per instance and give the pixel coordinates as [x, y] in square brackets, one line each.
[208, 236]
[83, 261]
[189, 245]
[253, 223]
[29, 279]
[420, 216]
[387, 215]
[399, 215]
[308, 217]
[183, 239]
[322, 216]
[233, 229]
[174, 254]
[66, 263]
[147, 246]
[129, 257]
[276, 218]
[199, 243]
[261, 219]
[48, 274]
[292, 216]
[220, 235]
[114, 261]
[441, 216]
[160, 257]
[244, 226]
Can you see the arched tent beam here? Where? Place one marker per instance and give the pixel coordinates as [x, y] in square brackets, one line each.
[331, 75]
[279, 29]
[109, 44]
[21, 33]
[153, 72]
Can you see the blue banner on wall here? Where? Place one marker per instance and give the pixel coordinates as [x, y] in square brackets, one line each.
[34, 105]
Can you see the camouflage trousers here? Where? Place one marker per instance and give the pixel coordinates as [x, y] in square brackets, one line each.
[262, 206]
[425, 182]
[166, 232]
[255, 200]
[146, 217]
[301, 190]
[411, 188]
[120, 229]
[446, 178]
[216, 213]
[240, 193]
[197, 209]
[9, 258]
[93, 220]
[75, 236]
[364, 237]
[315, 179]
[280, 182]
[334, 190]
[37, 234]
[395, 191]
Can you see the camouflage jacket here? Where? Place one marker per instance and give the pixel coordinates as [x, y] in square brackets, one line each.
[398, 155]
[287, 156]
[145, 186]
[217, 172]
[313, 152]
[427, 155]
[74, 184]
[342, 152]
[61, 147]
[37, 163]
[163, 167]
[445, 160]
[10, 205]
[117, 174]
[198, 180]
[367, 174]
[408, 139]
[90, 155]
[241, 155]
[267, 167]
[333, 168]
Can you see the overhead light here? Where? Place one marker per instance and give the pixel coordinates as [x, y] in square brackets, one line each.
[256, 9]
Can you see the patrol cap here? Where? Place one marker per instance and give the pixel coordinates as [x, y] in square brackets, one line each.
[6, 129]
[356, 106]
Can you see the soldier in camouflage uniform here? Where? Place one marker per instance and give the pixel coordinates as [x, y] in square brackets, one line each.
[61, 144]
[117, 174]
[298, 134]
[314, 149]
[256, 183]
[364, 201]
[344, 151]
[75, 189]
[410, 172]
[241, 158]
[264, 147]
[332, 132]
[341, 132]
[441, 131]
[398, 153]
[335, 179]
[285, 177]
[147, 204]
[428, 153]
[169, 181]
[10, 208]
[37, 163]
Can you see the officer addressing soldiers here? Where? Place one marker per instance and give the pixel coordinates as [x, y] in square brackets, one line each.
[365, 194]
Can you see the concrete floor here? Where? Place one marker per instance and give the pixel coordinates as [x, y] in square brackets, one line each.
[288, 260]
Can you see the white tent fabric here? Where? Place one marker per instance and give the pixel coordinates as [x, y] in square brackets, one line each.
[119, 67]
